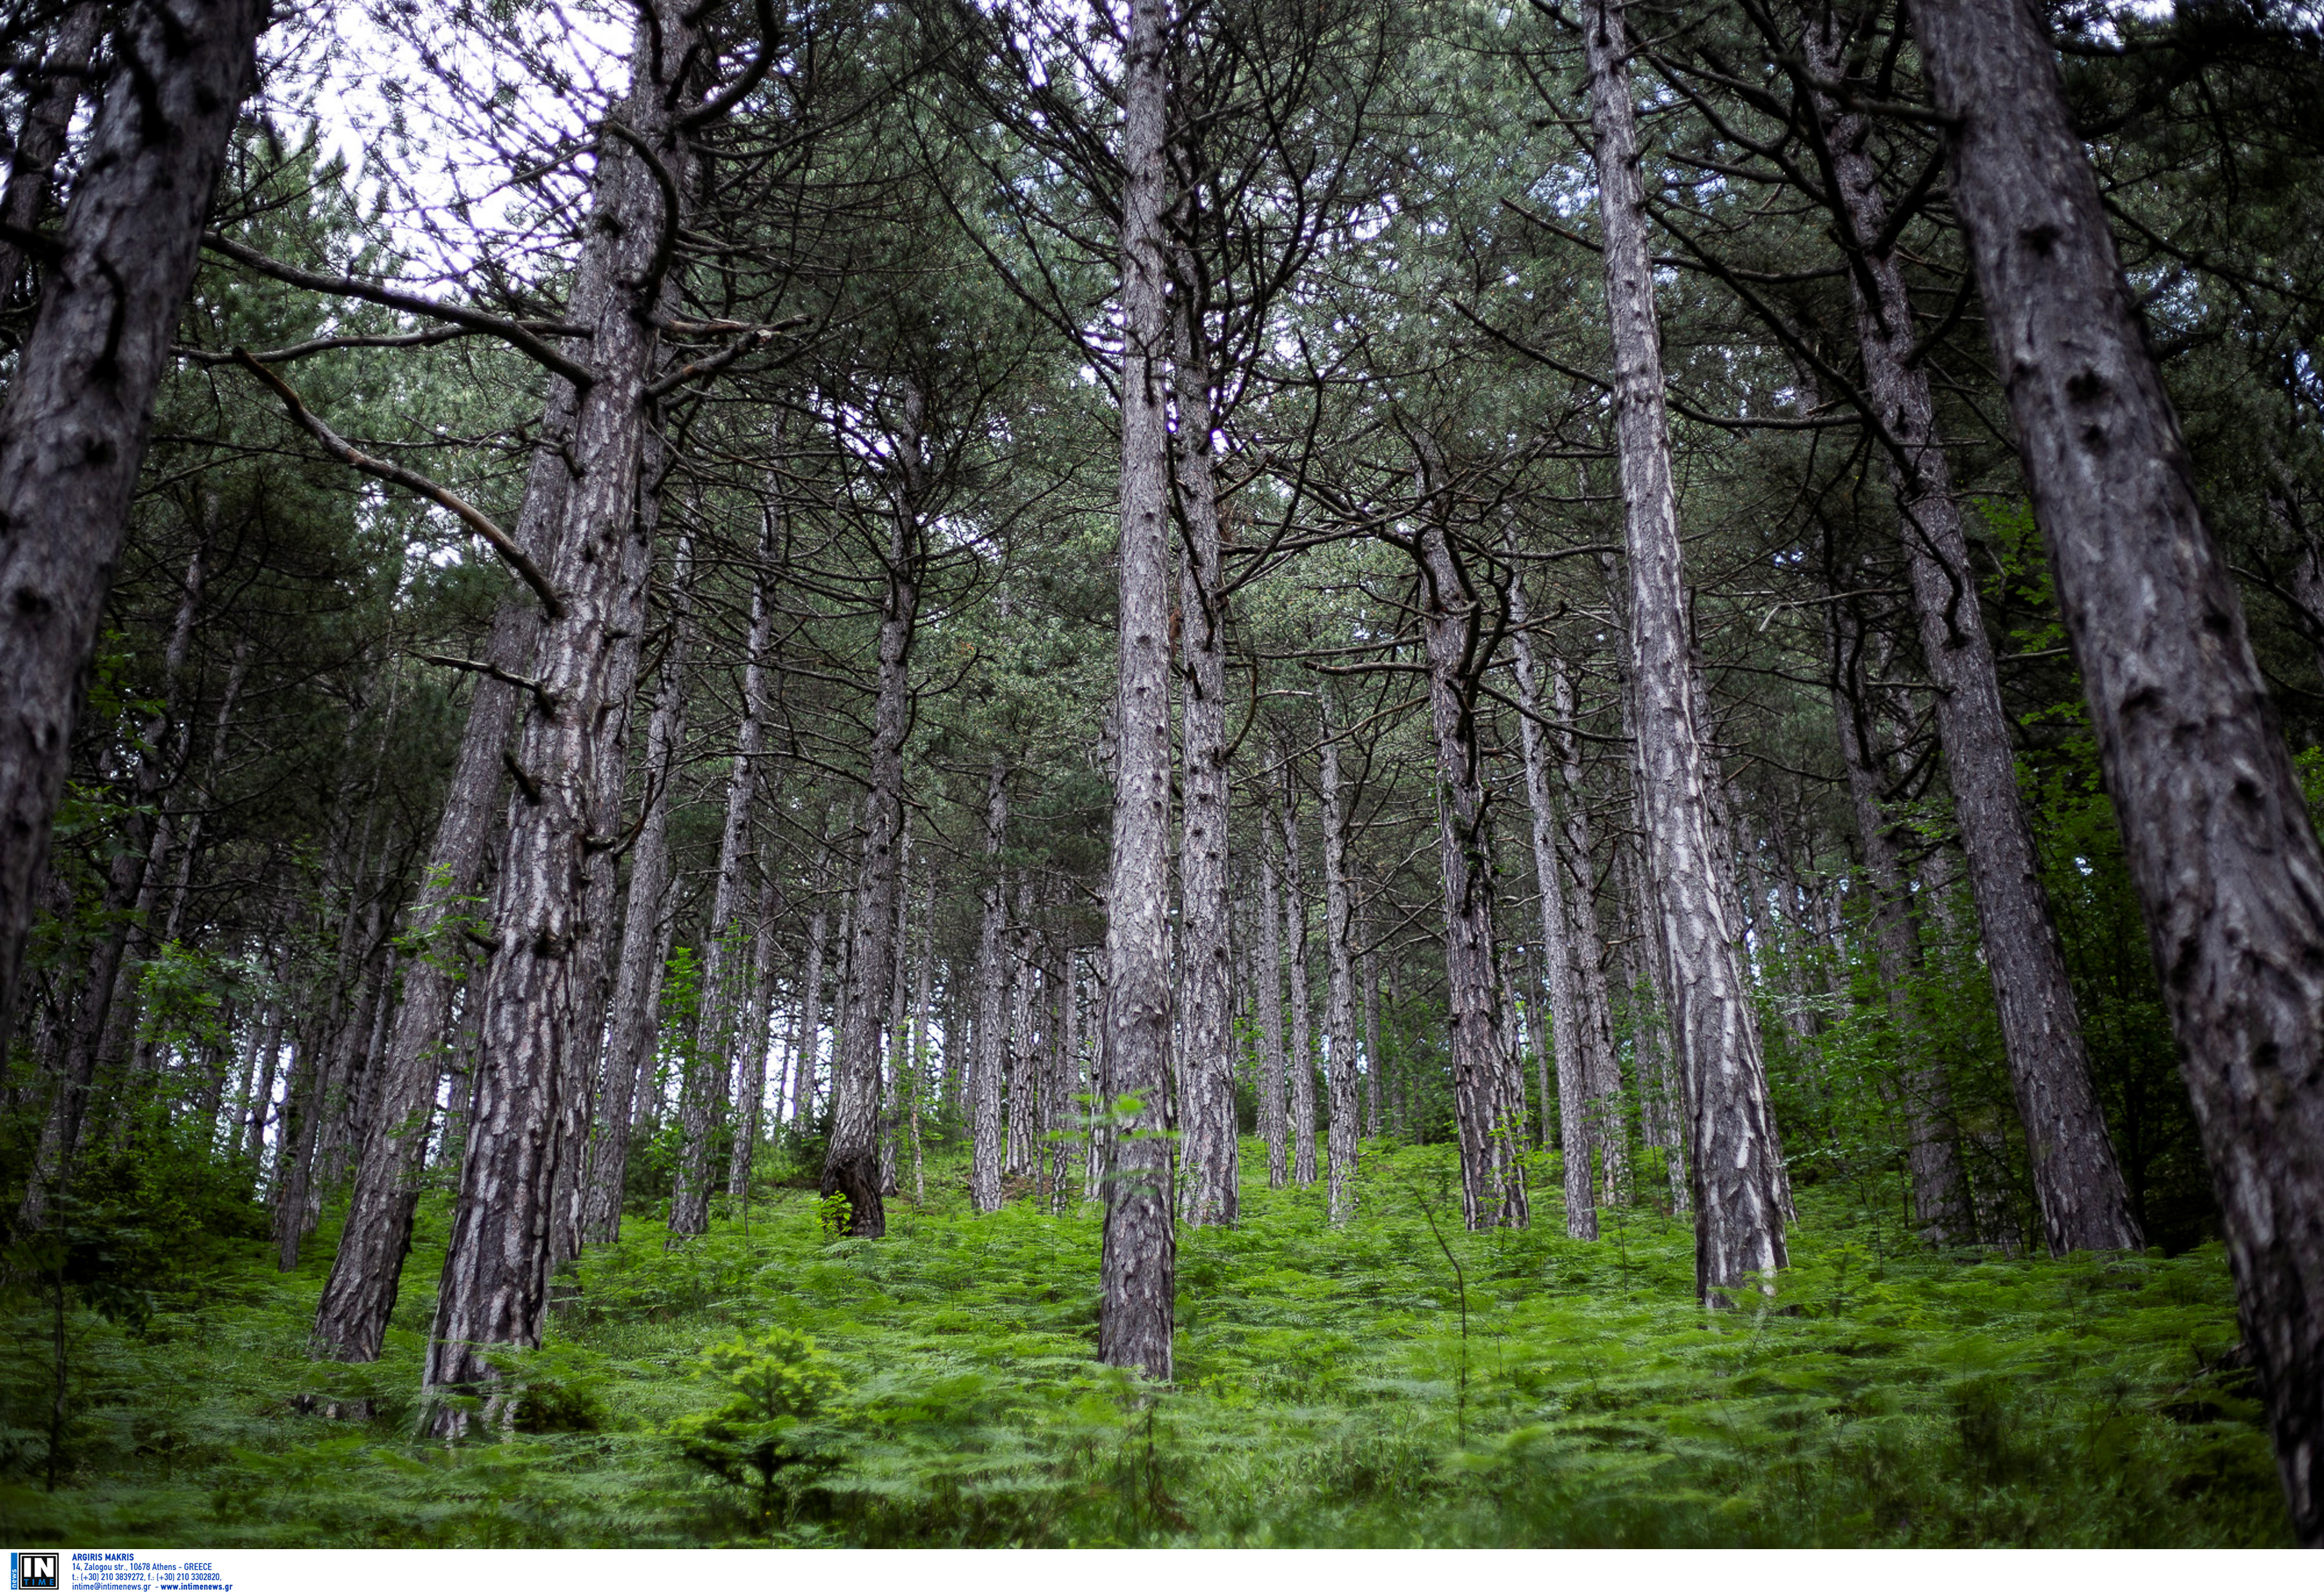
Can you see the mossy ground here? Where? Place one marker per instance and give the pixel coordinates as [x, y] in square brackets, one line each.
[1326, 1393]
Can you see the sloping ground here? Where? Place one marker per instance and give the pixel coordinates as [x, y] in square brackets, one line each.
[769, 1385]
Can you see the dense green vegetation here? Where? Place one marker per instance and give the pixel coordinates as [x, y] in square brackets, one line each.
[1398, 1383]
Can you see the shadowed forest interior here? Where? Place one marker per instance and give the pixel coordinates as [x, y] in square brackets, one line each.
[1221, 773]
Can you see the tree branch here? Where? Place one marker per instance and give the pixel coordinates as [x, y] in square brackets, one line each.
[388, 471]
[513, 333]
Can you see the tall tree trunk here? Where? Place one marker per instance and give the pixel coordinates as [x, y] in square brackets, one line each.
[2077, 1185]
[1340, 990]
[725, 982]
[80, 407]
[2220, 846]
[807, 1048]
[1266, 973]
[351, 1320]
[1139, 1254]
[1738, 1196]
[751, 1049]
[496, 1268]
[850, 1166]
[1301, 1061]
[1571, 1033]
[1206, 1066]
[1609, 1127]
[1492, 1179]
[1023, 1055]
[1375, 1069]
[580, 1089]
[649, 922]
[988, 1152]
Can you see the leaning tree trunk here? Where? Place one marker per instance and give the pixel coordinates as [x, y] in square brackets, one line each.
[1340, 988]
[851, 1165]
[1572, 1032]
[2078, 1186]
[1140, 1254]
[1738, 1197]
[79, 408]
[1206, 1069]
[2220, 846]
[1492, 1177]
[495, 1278]
[351, 1321]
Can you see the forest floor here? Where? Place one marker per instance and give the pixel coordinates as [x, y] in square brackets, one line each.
[1349, 1388]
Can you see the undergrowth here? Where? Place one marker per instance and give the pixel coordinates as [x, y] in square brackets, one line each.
[769, 1385]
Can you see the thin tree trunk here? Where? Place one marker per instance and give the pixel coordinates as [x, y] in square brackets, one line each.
[1610, 1128]
[807, 1050]
[751, 1051]
[1024, 1066]
[1301, 1063]
[649, 924]
[1266, 973]
[1205, 1062]
[496, 1267]
[351, 1320]
[1492, 1179]
[1738, 1197]
[1375, 1069]
[1571, 1033]
[1340, 990]
[80, 407]
[2219, 843]
[989, 1152]
[1140, 1254]
[2077, 1185]
[850, 1166]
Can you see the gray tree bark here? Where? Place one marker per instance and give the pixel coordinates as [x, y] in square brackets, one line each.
[1301, 1063]
[1340, 990]
[2221, 850]
[726, 984]
[989, 1152]
[2077, 1185]
[79, 408]
[851, 1165]
[1738, 1193]
[351, 1320]
[1571, 1033]
[496, 1267]
[648, 923]
[1610, 1128]
[1138, 1262]
[1206, 1067]
[1266, 974]
[1492, 1177]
